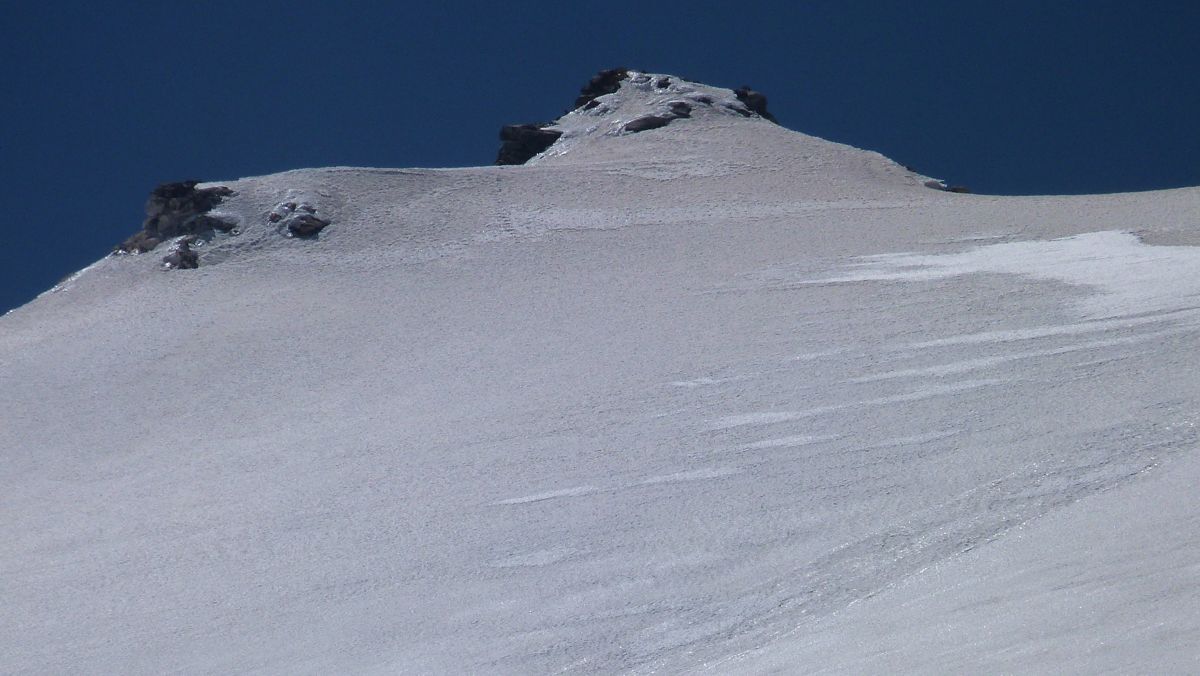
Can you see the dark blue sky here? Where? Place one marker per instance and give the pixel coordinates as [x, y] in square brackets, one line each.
[104, 100]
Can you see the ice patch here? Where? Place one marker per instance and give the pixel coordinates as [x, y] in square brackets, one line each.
[697, 382]
[694, 475]
[985, 337]
[550, 495]
[791, 442]
[928, 392]
[813, 356]
[759, 418]
[542, 557]
[967, 365]
[938, 370]
[934, 391]
[1132, 277]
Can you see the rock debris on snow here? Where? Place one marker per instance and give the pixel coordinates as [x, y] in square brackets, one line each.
[521, 142]
[305, 224]
[621, 100]
[182, 257]
[604, 82]
[297, 218]
[175, 209]
[755, 101]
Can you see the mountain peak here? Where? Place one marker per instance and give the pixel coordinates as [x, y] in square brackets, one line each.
[646, 126]
[620, 101]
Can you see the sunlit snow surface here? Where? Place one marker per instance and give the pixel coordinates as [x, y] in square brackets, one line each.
[717, 396]
[1132, 278]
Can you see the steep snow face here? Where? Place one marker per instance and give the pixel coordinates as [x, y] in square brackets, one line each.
[714, 394]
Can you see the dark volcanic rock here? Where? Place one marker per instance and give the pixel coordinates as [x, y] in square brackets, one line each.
[304, 224]
[755, 101]
[676, 110]
[182, 258]
[297, 218]
[177, 209]
[938, 185]
[139, 243]
[646, 123]
[604, 82]
[520, 142]
[680, 109]
[172, 203]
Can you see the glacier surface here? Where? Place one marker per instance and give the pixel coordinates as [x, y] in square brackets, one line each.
[718, 396]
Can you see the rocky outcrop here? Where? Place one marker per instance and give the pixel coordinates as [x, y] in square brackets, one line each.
[755, 101]
[297, 218]
[520, 142]
[180, 213]
[938, 184]
[175, 209]
[182, 257]
[305, 225]
[675, 111]
[647, 123]
[604, 82]
[680, 108]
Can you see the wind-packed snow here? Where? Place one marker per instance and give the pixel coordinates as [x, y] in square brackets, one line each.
[717, 396]
[1132, 278]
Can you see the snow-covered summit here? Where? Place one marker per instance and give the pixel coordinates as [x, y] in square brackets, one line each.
[620, 101]
[640, 119]
[650, 101]
[651, 96]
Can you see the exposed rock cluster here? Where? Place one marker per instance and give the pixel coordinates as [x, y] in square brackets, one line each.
[520, 142]
[175, 209]
[305, 225]
[604, 82]
[755, 101]
[937, 184]
[297, 219]
[675, 111]
[182, 213]
[182, 257]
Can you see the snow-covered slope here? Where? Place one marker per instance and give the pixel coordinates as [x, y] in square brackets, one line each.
[717, 395]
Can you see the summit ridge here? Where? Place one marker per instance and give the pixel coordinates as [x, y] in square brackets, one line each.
[620, 101]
